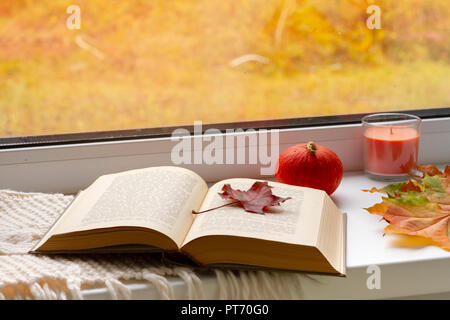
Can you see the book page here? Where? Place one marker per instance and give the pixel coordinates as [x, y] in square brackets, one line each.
[160, 198]
[296, 221]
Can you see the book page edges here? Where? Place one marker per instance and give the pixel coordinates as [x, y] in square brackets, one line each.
[109, 249]
[331, 215]
[49, 233]
[344, 245]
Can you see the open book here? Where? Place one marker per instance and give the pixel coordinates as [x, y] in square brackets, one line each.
[152, 209]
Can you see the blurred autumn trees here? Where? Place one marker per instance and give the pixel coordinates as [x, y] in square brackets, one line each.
[144, 63]
[305, 32]
[293, 33]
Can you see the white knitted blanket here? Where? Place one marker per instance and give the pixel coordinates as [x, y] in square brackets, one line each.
[26, 217]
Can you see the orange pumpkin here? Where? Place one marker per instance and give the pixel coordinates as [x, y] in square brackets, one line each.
[310, 165]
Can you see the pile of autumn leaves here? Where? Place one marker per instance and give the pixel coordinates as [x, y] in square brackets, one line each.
[419, 207]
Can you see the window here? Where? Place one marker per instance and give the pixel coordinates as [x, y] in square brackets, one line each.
[86, 66]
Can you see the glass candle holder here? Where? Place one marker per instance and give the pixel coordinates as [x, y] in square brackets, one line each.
[391, 144]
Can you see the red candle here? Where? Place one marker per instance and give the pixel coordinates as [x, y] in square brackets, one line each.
[391, 150]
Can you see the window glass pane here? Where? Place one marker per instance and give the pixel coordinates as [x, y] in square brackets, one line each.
[77, 66]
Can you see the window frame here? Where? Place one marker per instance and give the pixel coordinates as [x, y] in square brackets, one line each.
[164, 132]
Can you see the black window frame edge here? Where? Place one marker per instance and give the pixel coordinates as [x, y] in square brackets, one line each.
[164, 132]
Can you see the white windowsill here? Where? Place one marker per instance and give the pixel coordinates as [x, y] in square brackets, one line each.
[404, 271]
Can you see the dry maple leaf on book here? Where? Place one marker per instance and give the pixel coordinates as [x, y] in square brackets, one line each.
[255, 200]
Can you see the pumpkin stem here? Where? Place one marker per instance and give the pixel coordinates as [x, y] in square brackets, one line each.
[311, 147]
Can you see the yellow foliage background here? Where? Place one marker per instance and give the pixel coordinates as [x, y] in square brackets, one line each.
[136, 64]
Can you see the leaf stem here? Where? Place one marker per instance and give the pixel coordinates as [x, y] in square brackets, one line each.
[226, 204]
